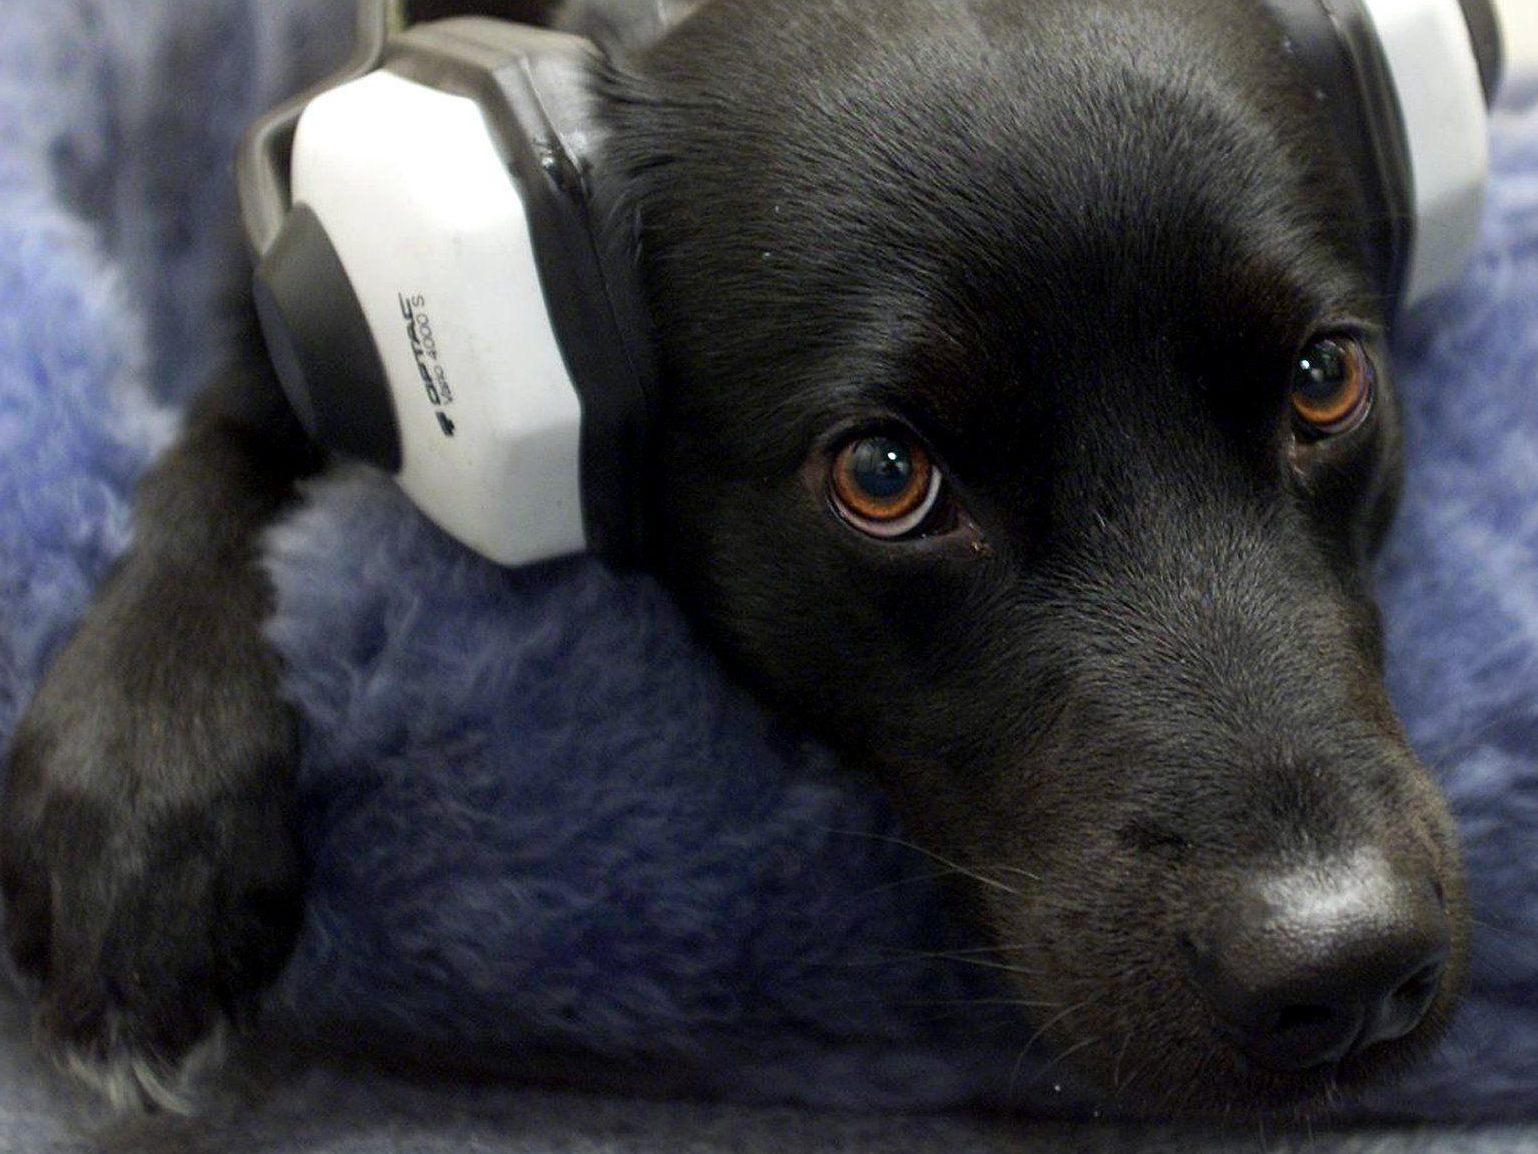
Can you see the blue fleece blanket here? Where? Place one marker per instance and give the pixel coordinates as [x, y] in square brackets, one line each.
[542, 822]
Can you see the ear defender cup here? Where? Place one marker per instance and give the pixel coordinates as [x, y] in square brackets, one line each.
[1441, 62]
[437, 292]
[1409, 84]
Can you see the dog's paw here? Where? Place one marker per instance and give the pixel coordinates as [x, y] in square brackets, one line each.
[145, 932]
[150, 872]
[131, 1081]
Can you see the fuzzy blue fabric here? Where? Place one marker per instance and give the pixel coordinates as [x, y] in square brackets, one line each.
[541, 820]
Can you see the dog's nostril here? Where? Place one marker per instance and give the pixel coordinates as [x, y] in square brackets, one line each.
[1425, 981]
[1294, 1018]
[1308, 970]
[1404, 1010]
[1299, 1037]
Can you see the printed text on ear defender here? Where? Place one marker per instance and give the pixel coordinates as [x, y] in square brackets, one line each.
[424, 349]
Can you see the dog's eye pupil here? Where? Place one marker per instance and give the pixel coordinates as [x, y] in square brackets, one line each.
[1322, 372]
[881, 466]
[883, 485]
[1332, 386]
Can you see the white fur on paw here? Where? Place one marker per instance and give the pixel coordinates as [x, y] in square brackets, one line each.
[130, 1082]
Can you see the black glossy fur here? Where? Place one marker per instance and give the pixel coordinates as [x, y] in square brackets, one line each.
[1076, 247]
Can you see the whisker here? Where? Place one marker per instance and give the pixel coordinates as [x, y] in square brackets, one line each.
[1121, 1056]
[978, 959]
[896, 957]
[1014, 1073]
[1023, 1003]
[1030, 1045]
[1061, 1058]
[1011, 948]
[955, 866]
[1041, 1031]
[961, 959]
[1004, 867]
[1002, 967]
[910, 880]
[1137, 1072]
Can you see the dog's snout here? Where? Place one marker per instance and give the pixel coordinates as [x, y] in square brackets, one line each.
[1307, 970]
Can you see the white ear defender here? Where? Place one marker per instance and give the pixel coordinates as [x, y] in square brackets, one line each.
[447, 292]
[440, 288]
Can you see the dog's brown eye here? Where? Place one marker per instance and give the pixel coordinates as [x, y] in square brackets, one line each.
[884, 485]
[1332, 386]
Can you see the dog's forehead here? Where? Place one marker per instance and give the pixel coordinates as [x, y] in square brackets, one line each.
[1015, 180]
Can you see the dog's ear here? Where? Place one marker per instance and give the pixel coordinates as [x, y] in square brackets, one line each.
[623, 25]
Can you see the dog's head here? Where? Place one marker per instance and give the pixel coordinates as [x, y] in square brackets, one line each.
[1028, 430]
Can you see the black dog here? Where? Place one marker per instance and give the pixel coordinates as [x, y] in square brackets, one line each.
[1027, 430]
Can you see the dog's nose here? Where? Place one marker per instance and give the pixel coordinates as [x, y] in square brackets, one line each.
[1308, 969]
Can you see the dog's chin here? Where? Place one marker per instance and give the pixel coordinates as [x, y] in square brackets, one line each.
[1158, 1052]
[1119, 998]
[1216, 1082]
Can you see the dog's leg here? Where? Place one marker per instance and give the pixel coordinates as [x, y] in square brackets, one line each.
[151, 874]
